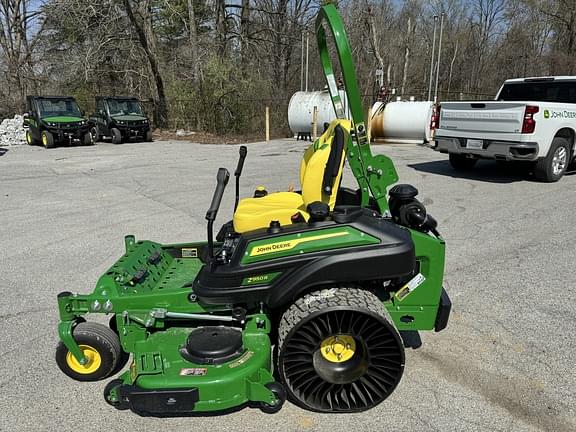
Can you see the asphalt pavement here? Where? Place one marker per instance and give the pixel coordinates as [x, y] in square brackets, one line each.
[506, 362]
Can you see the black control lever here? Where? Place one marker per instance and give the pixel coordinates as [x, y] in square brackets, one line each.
[222, 180]
[238, 173]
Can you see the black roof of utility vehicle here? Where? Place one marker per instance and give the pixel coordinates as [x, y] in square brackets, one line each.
[49, 97]
[118, 97]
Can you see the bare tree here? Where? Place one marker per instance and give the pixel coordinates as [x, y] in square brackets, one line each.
[142, 23]
[17, 43]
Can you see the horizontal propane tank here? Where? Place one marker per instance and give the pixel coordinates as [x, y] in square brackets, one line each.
[402, 122]
[301, 108]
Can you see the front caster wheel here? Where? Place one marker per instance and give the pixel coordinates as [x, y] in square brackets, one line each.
[112, 395]
[280, 393]
[339, 351]
[100, 346]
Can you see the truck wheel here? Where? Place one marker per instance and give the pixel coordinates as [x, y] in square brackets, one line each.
[148, 136]
[47, 139]
[87, 139]
[461, 162]
[338, 351]
[95, 135]
[99, 344]
[552, 167]
[116, 136]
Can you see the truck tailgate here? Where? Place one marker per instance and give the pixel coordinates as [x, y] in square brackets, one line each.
[482, 117]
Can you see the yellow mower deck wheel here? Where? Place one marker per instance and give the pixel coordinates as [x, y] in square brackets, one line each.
[92, 365]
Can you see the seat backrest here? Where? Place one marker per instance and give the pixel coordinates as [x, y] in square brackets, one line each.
[322, 164]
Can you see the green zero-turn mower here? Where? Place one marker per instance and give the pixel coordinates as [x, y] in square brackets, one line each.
[328, 276]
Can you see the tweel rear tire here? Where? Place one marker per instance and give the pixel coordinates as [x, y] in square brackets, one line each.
[339, 351]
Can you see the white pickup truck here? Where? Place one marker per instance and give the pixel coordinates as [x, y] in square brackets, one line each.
[531, 119]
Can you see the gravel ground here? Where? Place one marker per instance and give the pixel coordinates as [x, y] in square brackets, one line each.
[505, 363]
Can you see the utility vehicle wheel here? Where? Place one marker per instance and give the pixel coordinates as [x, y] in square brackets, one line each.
[148, 136]
[29, 138]
[101, 347]
[339, 351]
[552, 167]
[95, 134]
[112, 397]
[280, 393]
[47, 139]
[116, 136]
[461, 162]
[87, 140]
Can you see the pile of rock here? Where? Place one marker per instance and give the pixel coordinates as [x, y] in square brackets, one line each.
[12, 131]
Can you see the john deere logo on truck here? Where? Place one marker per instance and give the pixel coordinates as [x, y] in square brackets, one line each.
[560, 114]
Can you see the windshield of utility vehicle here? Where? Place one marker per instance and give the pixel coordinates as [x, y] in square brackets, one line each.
[124, 107]
[539, 91]
[58, 107]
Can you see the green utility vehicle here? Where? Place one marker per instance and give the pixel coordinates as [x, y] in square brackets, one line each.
[120, 118]
[53, 120]
[324, 278]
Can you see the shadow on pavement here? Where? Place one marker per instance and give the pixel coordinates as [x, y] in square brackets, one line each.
[3, 151]
[485, 171]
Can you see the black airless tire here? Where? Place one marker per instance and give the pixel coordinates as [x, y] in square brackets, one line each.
[461, 162]
[339, 351]
[551, 168]
[100, 345]
[116, 136]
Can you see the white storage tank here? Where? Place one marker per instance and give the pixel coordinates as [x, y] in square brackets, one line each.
[301, 107]
[402, 122]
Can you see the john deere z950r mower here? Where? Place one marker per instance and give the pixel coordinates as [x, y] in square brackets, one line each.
[327, 276]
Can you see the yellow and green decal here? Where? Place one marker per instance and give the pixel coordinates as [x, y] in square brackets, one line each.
[262, 279]
[300, 243]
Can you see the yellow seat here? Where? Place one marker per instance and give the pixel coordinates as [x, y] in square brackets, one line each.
[255, 213]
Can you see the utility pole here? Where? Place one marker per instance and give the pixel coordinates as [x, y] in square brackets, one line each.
[307, 43]
[439, 53]
[302, 64]
[432, 58]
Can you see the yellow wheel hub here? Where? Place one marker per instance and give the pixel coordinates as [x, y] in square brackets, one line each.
[92, 365]
[44, 138]
[338, 348]
[28, 138]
